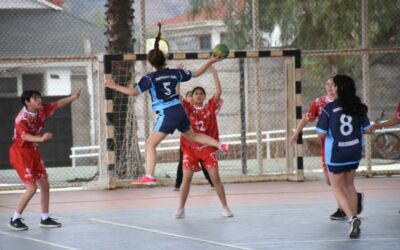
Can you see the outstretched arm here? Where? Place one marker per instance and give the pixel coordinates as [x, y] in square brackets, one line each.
[299, 128]
[68, 100]
[206, 66]
[217, 83]
[387, 123]
[110, 83]
[38, 138]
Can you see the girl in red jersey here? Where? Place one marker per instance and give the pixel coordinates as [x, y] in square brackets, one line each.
[203, 120]
[312, 114]
[25, 155]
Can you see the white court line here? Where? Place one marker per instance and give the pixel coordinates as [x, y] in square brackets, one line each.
[40, 241]
[169, 234]
[286, 241]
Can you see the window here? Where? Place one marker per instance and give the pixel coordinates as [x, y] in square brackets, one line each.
[205, 42]
[32, 82]
[8, 86]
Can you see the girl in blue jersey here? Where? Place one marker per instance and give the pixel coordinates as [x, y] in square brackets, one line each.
[343, 122]
[166, 104]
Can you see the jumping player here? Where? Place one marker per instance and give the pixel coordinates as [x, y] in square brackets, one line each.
[313, 113]
[162, 85]
[343, 123]
[203, 120]
[25, 155]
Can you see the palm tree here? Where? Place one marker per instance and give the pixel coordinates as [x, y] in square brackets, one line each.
[119, 24]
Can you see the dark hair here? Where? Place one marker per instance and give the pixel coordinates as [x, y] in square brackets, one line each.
[346, 95]
[188, 93]
[197, 88]
[28, 94]
[155, 56]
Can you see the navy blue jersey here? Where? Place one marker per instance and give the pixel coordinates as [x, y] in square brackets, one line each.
[162, 86]
[344, 135]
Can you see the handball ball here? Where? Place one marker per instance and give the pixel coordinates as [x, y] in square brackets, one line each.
[221, 50]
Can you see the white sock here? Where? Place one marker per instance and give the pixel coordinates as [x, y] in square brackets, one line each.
[147, 175]
[16, 216]
[44, 216]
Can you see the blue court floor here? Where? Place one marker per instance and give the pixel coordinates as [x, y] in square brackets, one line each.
[272, 215]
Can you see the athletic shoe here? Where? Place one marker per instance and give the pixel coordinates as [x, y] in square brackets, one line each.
[338, 215]
[227, 213]
[49, 222]
[360, 202]
[17, 224]
[176, 189]
[145, 180]
[180, 214]
[355, 228]
[224, 147]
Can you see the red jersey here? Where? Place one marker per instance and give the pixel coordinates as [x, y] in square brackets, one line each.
[316, 107]
[31, 123]
[398, 112]
[203, 120]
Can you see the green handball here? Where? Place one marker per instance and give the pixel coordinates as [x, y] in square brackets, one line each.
[221, 50]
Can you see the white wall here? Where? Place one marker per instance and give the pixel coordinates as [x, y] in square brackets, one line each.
[58, 82]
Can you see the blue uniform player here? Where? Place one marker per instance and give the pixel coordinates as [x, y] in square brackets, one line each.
[166, 104]
[343, 122]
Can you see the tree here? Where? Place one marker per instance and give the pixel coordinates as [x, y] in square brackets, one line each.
[119, 24]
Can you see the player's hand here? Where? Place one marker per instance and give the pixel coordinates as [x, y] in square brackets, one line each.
[293, 139]
[110, 83]
[376, 126]
[77, 94]
[47, 136]
[215, 59]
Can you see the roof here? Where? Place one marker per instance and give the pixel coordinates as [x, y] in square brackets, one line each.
[218, 12]
[46, 32]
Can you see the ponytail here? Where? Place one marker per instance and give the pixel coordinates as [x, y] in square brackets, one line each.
[156, 57]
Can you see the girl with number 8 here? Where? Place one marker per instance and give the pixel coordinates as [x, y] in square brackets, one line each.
[343, 122]
[162, 85]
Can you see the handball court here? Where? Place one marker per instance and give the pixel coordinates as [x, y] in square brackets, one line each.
[268, 215]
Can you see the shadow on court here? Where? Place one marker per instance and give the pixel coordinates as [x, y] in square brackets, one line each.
[272, 215]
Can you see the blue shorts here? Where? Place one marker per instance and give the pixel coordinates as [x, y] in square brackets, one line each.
[172, 118]
[341, 169]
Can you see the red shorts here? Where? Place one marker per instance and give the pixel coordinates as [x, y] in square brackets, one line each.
[206, 156]
[28, 163]
[323, 154]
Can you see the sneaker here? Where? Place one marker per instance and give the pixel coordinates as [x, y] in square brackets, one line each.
[338, 215]
[355, 228]
[224, 147]
[227, 213]
[180, 214]
[49, 222]
[176, 189]
[145, 180]
[17, 225]
[360, 202]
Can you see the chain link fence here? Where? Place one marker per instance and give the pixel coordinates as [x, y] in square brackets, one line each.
[52, 46]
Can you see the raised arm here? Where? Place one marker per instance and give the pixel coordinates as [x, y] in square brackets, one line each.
[210, 62]
[217, 83]
[110, 83]
[68, 100]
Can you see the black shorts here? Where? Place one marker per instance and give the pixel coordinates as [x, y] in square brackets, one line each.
[341, 169]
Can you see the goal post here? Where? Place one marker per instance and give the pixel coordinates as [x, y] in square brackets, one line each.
[261, 129]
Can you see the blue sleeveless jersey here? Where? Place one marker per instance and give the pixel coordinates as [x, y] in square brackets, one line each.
[344, 135]
[162, 86]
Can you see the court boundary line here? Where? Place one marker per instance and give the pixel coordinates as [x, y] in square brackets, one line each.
[39, 241]
[277, 241]
[168, 234]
